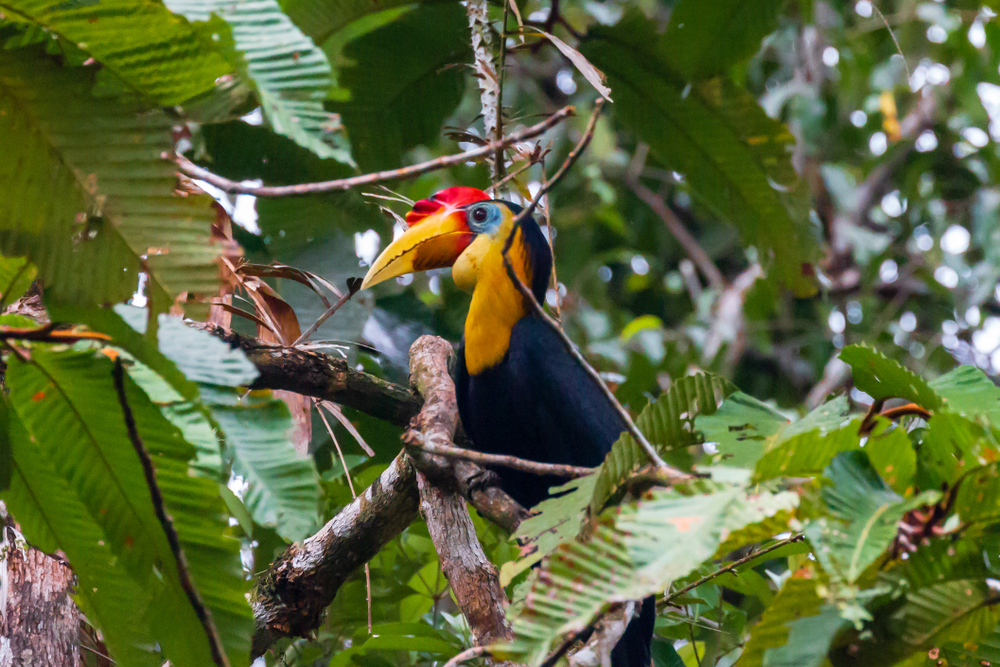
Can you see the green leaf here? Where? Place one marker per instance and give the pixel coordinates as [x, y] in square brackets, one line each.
[85, 192]
[321, 19]
[810, 452]
[880, 377]
[283, 487]
[556, 519]
[891, 453]
[153, 52]
[730, 152]
[16, 276]
[412, 64]
[795, 631]
[693, 46]
[951, 446]
[289, 73]
[68, 404]
[968, 391]
[745, 428]
[633, 551]
[53, 517]
[666, 423]
[864, 515]
[978, 496]
[932, 609]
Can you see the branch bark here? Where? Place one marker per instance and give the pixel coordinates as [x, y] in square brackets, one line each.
[291, 596]
[473, 578]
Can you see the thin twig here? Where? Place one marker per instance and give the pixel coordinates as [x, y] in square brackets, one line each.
[352, 288]
[235, 187]
[545, 317]
[204, 615]
[467, 655]
[895, 41]
[798, 537]
[350, 484]
[505, 461]
[48, 334]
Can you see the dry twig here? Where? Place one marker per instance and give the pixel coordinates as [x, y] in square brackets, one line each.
[234, 187]
[484, 459]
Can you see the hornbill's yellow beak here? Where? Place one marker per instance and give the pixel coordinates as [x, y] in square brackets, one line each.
[438, 234]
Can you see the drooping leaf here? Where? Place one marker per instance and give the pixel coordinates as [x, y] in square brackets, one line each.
[729, 165]
[864, 515]
[969, 392]
[68, 404]
[289, 73]
[880, 377]
[163, 58]
[666, 423]
[633, 551]
[283, 492]
[892, 455]
[53, 517]
[693, 47]
[412, 64]
[85, 192]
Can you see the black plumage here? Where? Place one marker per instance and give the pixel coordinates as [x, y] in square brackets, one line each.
[539, 404]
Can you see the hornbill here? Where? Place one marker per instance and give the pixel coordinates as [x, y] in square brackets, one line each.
[519, 391]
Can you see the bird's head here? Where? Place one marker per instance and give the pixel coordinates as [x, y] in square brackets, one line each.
[459, 227]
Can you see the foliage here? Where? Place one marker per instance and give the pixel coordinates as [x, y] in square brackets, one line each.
[822, 235]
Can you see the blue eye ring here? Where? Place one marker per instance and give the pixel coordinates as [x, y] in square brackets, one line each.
[480, 214]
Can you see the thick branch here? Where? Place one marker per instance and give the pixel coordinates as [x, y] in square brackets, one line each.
[324, 377]
[290, 597]
[473, 578]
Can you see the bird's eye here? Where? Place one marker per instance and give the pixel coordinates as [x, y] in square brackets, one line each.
[480, 214]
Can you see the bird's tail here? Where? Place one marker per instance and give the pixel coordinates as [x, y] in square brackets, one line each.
[634, 647]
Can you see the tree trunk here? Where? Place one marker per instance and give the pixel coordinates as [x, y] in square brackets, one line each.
[39, 622]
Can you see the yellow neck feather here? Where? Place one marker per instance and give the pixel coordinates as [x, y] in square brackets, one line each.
[497, 304]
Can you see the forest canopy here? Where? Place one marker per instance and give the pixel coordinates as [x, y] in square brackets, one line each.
[775, 238]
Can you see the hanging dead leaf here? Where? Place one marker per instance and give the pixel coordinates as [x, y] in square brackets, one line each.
[593, 75]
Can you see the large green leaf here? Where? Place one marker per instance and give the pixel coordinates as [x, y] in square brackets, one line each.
[155, 53]
[320, 19]
[283, 489]
[969, 392]
[282, 492]
[53, 517]
[978, 497]
[693, 46]
[666, 423]
[807, 453]
[71, 410]
[863, 519]
[880, 377]
[407, 79]
[289, 73]
[732, 155]
[795, 630]
[744, 429]
[633, 551]
[86, 194]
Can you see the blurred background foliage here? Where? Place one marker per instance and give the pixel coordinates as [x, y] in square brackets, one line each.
[774, 181]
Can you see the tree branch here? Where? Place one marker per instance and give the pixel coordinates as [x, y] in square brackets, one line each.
[417, 441]
[473, 578]
[235, 187]
[292, 594]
